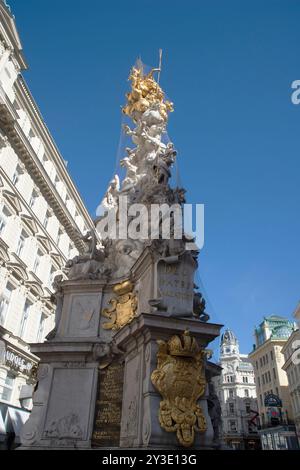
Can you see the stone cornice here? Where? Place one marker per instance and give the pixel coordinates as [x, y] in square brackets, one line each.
[203, 332]
[10, 35]
[34, 167]
[43, 236]
[30, 106]
[261, 347]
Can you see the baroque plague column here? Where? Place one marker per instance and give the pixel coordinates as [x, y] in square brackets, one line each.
[127, 365]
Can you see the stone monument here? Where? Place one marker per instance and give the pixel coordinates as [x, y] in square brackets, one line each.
[126, 365]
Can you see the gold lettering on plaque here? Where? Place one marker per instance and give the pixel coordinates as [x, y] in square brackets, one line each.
[108, 411]
[123, 307]
[180, 379]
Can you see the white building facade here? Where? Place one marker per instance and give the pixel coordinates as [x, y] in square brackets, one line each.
[291, 352]
[237, 394]
[42, 220]
[276, 416]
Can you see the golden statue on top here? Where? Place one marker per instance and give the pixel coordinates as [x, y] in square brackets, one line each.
[146, 92]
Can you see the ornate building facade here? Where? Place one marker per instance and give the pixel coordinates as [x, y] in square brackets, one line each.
[42, 220]
[271, 336]
[291, 352]
[237, 394]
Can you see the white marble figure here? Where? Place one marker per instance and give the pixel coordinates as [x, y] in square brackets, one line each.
[131, 176]
[147, 166]
[152, 116]
[110, 200]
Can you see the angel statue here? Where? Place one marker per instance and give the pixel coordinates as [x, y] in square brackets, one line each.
[131, 176]
[110, 200]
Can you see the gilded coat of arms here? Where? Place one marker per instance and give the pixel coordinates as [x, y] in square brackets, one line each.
[180, 379]
[123, 307]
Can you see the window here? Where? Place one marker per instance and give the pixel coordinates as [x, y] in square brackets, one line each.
[245, 380]
[27, 403]
[37, 261]
[21, 243]
[59, 235]
[4, 303]
[46, 219]
[40, 335]
[269, 376]
[271, 354]
[274, 373]
[3, 219]
[52, 276]
[17, 174]
[260, 361]
[246, 393]
[229, 378]
[33, 198]
[24, 319]
[70, 249]
[7, 388]
[248, 408]
[231, 393]
[231, 408]
[232, 426]
[261, 400]
[258, 379]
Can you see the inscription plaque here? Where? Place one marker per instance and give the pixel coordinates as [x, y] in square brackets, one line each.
[108, 411]
[176, 285]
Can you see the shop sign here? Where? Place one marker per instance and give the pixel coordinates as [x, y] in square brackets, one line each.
[14, 360]
[273, 400]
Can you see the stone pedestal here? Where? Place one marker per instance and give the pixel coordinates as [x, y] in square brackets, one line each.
[64, 400]
[95, 386]
[63, 403]
[140, 427]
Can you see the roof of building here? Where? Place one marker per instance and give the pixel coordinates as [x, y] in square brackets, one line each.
[10, 34]
[228, 337]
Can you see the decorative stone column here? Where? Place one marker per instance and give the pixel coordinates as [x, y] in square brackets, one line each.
[67, 377]
[140, 426]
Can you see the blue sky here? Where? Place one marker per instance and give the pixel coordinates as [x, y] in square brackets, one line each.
[228, 67]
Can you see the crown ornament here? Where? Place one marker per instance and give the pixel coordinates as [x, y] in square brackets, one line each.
[184, 345]
[180, 380]
[123, 288]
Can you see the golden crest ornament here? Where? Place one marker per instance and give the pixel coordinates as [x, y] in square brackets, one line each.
[123, 307]
[180, 379]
